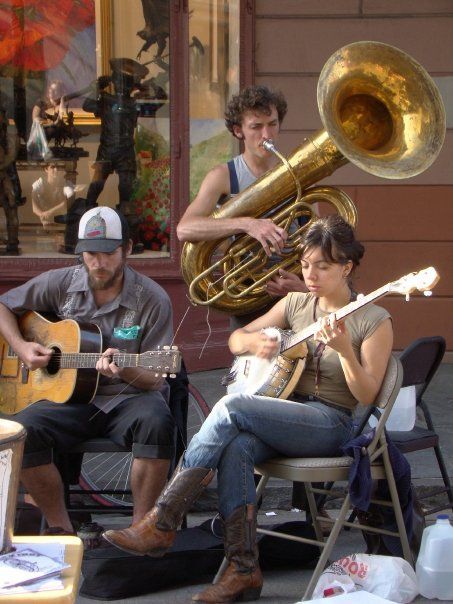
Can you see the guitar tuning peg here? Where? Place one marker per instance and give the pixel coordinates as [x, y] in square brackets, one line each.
[172, 375]
[408, 297]
[428, 293]
[166, 347]
[164, 375]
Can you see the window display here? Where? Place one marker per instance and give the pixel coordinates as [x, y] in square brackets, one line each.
[85, 114]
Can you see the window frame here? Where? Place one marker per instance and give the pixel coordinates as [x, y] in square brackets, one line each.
[14, 269]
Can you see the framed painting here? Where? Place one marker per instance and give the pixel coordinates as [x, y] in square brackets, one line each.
[43, 42]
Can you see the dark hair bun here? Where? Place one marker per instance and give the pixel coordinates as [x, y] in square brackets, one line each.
[336, 238]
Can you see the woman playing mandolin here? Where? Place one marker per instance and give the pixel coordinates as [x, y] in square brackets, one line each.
[345, 365]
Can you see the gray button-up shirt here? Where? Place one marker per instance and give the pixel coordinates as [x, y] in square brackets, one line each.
[142, 303]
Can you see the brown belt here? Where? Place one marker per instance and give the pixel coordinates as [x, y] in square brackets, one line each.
[299, 398]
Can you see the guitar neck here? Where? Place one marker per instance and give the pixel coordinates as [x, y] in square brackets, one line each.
[343, 312]
[88, 360]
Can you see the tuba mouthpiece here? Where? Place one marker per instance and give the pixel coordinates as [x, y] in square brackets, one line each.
[268, 144]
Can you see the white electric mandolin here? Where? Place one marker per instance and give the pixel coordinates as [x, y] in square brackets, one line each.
[277, 377]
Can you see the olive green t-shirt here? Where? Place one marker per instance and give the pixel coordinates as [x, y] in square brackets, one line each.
[299, 311]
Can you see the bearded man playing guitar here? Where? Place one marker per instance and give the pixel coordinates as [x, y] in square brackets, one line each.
[132, 314]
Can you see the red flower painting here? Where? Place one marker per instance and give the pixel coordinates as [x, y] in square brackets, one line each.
[35, 35]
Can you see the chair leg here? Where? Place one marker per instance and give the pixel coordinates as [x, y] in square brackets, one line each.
[313, 511]
[445, 476]
[261, 486]
[328, 547]
[407, 553]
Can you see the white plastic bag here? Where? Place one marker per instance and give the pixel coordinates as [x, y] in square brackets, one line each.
[385, 576]
[335, 578]
[37, 145]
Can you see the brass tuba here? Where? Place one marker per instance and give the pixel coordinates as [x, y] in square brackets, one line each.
[381, 111]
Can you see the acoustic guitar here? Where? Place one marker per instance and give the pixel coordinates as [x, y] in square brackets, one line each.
[277, 377]
[71, 375]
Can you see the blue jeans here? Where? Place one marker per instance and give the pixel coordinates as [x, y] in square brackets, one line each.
[243, 430]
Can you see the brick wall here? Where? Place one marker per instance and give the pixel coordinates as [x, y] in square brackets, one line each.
[405, 224]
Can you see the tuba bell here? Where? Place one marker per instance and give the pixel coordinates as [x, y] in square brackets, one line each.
[381, 111]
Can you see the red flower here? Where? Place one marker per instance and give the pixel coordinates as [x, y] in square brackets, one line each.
[36, 34]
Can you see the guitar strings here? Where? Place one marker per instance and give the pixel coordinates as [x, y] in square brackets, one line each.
[108, 406]
[109, 403]
[211, 284]
[180, 323]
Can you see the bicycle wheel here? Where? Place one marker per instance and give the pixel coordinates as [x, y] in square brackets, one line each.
[111, 471]
[197, 412]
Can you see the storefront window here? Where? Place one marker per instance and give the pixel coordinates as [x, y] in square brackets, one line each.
[214, 77]
[84, 120]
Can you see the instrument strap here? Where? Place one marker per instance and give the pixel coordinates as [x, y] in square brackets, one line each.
[319, 350]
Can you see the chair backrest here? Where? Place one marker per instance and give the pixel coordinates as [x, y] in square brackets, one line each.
[386, 396]
[420, 361]
[391, 384]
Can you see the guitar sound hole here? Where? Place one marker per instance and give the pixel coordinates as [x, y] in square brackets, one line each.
[54, 364]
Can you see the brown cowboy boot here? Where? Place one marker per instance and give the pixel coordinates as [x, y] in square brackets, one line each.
[242, 579]
[154, 534]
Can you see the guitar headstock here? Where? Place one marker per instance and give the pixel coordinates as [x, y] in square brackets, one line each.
[165, 360]
[422, 281]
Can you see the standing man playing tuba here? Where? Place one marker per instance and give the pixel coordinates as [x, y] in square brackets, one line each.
[252, 116]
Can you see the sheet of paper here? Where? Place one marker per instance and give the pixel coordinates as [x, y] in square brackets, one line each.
[51, 550]
[5, 475]
[26, 565]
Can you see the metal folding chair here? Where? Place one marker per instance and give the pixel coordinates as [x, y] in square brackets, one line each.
[334, 469]
[420, 361]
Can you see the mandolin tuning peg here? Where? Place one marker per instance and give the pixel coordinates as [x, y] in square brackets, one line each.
[166, 347]
[172, 375]
[164, 375]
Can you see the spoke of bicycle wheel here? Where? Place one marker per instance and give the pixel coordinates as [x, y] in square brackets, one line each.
[108, 467]
[106, 459]
[127, 467]
[125, 463]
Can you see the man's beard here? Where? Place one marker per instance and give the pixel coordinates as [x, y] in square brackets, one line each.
[99, 283]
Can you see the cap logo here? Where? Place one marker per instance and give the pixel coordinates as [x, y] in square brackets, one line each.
[95, 228]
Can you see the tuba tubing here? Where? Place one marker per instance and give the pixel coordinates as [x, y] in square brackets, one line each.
[316, 158]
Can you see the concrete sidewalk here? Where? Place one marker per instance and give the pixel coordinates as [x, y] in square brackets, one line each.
[287, 587]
